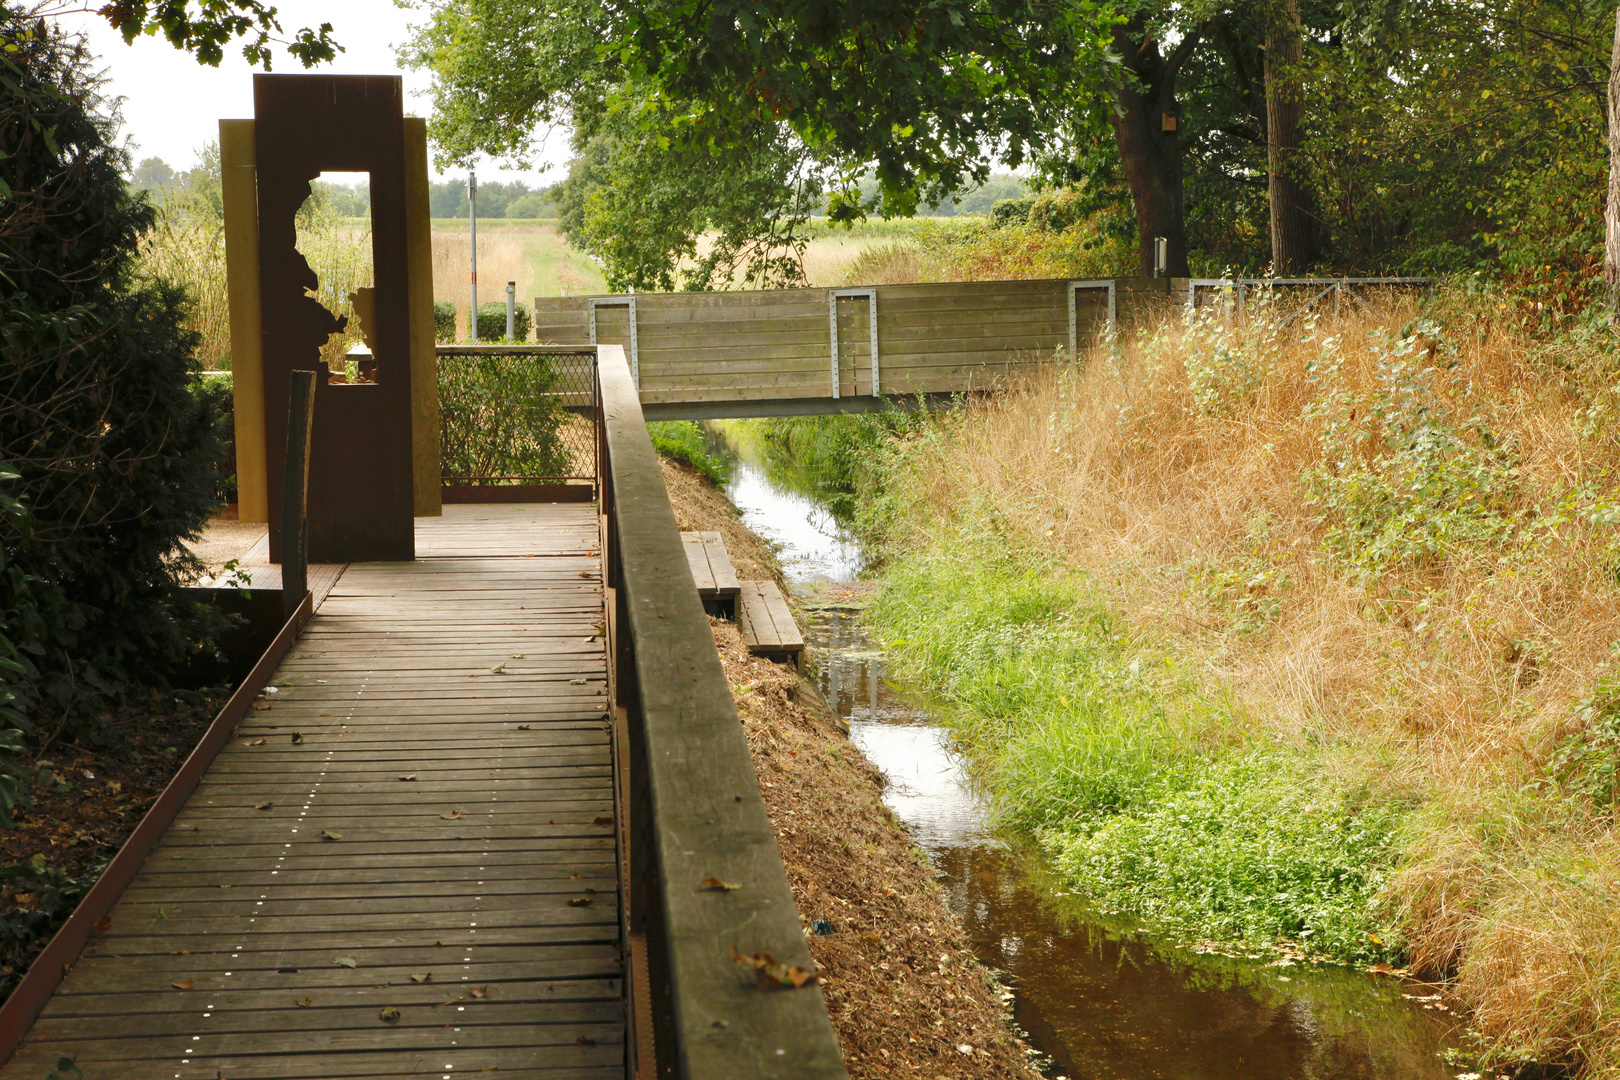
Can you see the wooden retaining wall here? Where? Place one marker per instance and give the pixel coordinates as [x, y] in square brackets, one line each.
[719, 352]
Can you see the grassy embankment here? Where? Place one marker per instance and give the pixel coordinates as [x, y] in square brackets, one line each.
[1304, 635]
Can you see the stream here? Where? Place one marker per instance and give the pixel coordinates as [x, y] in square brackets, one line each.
[1099, 998]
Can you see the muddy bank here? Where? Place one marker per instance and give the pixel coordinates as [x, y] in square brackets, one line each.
[906, 994]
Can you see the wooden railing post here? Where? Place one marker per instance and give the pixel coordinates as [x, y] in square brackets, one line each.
[295, 491]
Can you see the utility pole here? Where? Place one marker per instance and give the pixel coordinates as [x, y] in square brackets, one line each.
[472, 216]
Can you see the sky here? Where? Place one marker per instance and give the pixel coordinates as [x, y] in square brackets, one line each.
[173, 105]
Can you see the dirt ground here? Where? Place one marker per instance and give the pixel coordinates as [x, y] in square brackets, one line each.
[85, 803]
[907, 996]
[224, 539]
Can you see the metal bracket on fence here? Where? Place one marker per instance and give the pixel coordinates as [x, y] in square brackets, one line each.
[595, 302]
[833, 296]
[1074, 313]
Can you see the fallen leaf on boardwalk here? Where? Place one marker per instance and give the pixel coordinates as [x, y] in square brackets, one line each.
[410, 777]
[576, 682]
[583, 1041]
[103, 924]
[451, 816]
[773, 973]
[297, 737]
[602, 821]
[303, 1003]
[477, 991]
[519, 656]
[523, 727]
[261, 706]
[263, 805]
[422, 978]
[258, 742]
[442, 1004]
[184, 984]
[580, 901]
[585, 573]
[181, 952]
[346, 961]
[714, 884]
[389, 1014]
[331, 835]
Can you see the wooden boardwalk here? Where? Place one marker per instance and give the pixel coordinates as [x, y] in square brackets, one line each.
[405, 862]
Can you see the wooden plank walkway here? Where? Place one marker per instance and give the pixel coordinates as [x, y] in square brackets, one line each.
[405, 863]
[712, 572]
[767, 623]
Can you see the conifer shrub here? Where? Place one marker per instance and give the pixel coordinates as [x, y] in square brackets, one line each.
[114, 442]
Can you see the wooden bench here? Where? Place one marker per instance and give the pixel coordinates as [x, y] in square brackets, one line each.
[767, 623]
[712, 572]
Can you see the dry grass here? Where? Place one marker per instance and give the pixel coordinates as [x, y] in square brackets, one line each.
[1446, 677]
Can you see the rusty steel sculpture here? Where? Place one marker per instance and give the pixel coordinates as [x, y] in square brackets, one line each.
[360, 478]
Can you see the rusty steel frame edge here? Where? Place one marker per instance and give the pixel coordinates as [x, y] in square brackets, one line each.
[32, 994]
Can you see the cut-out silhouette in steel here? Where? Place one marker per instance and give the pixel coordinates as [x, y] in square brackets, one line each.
[360, 477]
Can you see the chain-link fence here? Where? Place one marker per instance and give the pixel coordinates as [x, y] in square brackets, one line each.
[514, 414]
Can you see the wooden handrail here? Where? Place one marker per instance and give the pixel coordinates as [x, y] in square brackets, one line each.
[696, 810]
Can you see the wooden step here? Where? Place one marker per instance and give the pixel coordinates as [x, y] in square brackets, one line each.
[712, 572]
[767, 623]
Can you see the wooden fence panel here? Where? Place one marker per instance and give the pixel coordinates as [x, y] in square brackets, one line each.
[776, 345]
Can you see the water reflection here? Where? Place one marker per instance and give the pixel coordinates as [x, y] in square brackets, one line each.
[1103, 1001]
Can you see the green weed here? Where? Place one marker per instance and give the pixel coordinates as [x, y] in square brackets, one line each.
[682, 440]
[1152, 793]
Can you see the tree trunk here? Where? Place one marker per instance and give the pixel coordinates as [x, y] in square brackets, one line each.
[1293, 228]
[1611, 206]
[1150, 154]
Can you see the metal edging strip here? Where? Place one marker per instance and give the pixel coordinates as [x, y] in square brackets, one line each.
[26, 1002]
[594, 302]
[1074, 315]
[832, 318]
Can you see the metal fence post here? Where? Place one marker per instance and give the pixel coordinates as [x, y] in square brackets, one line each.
[511, 311]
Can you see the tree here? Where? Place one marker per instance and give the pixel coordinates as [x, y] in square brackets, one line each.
[204, 27]
[922, 100]
[1145, 119]
[1611, 205]
[152, 174]
[1292, 228]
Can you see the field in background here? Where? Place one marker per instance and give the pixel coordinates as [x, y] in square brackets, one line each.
[529, 251]
[188, 249]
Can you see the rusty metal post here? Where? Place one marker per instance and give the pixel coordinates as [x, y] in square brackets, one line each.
[295, 491]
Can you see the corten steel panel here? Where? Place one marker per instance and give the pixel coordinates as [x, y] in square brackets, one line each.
[360, 483]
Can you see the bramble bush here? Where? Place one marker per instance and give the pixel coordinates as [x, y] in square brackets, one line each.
[1405, 480]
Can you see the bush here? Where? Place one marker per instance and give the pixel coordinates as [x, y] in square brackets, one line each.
[444, 322]
[501, 418]
[115, 443]
[682, 440]
[492, 321]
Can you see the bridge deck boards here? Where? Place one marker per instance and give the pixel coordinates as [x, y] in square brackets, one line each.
[404, 864]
